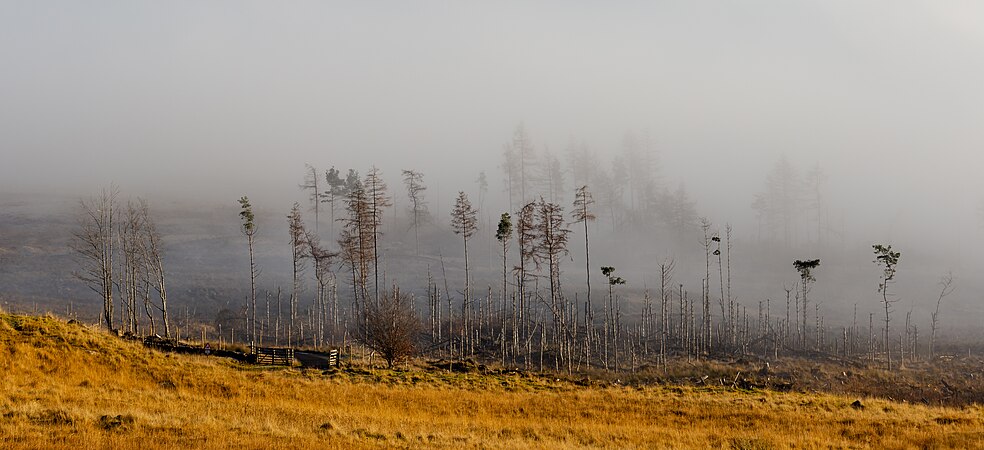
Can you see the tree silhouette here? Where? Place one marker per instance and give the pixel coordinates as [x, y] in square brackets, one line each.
[94, 244]
[312, 183]
[946, 288]
[295, 226]
[503, 233]
[612, 313]
[887, 260]
[465, 224]
[805, 269]
[414, 182]
[582, 214]
[337, 189]
[248, 228]
[377, 200]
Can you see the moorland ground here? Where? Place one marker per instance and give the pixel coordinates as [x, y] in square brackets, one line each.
[68, 385]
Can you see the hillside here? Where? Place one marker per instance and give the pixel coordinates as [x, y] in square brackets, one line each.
[65, 385]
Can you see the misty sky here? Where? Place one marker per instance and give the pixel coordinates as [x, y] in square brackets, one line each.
[224, 98]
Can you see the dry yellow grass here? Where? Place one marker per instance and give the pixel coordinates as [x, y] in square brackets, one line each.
[67, 386]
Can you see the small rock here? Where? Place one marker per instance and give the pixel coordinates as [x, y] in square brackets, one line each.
[857, 405]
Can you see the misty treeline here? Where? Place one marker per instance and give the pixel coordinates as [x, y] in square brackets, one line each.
[120, 254]
[529, 317]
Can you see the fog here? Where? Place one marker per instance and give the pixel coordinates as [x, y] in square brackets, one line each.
[207, 101]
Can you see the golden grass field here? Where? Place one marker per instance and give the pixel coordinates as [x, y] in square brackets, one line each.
[69, 386]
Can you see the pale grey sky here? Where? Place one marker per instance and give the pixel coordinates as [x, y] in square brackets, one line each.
[231, 97]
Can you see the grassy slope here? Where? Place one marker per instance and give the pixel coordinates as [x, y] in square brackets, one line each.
[68, 386]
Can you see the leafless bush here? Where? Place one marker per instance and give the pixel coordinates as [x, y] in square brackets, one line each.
[391, 326]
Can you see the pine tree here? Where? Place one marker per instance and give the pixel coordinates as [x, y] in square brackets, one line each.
[887, 260]
[249, 230]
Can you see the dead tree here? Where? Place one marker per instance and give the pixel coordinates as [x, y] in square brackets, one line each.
[377, 200]
[465, 224]
[551, 244]
[946, 288]
[732, 306]
[705, 226]
[322, 259]
[612, 313]
[887, 260]
[94, 244]
[132, 267]
[414, 182]
[525, 240]
[665, 278]
[312, 183]
[155, 260]
[725, 319]
[582, 214]
[525, 160]
[295, 227]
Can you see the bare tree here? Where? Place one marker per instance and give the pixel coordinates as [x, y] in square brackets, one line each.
[779, 204]
[391, 327]
[551, 244]
[525, 239]
[94, 244]
[155, 258]
[249, 229]
[946, 288]
[311, 183]
[322, 259]
[132, 267]
[525, 160]
[665, 277]
[551, 177]
[414, 182]
[815, 178]
[582, 214]
[483, 188]
[705, 226]
[356, 242]
[612, 313]
[377, 200]
[465, 224]
[887, 260]
[295, 227]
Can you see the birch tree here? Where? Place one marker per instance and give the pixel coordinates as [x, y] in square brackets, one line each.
[94, 245]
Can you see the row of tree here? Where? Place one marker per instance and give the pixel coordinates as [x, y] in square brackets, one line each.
[120, 255]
